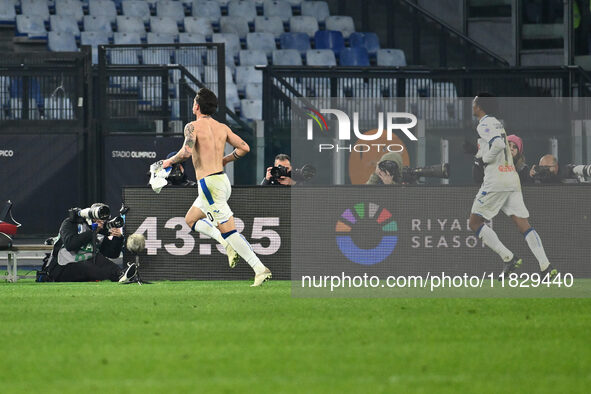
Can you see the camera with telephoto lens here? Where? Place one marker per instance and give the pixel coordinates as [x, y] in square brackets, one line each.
[390, 167]
[117, 221]
[411, 175]
[579, 170]
[305, 173]
[542, 172]
[96, 211]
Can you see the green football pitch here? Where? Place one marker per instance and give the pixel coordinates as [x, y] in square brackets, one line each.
[181, 337]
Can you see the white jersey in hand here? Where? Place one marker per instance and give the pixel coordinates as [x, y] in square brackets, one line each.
[493, 148]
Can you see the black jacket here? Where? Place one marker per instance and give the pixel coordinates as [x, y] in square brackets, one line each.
[73, 241]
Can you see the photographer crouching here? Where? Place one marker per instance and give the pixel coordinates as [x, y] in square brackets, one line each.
[281, 174]
[86, 239]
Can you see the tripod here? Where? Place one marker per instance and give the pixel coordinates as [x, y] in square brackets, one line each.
[137, 279]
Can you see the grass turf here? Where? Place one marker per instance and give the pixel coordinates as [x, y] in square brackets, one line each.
[227, 337]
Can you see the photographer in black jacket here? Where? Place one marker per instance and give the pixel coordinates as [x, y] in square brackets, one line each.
[281, 160]
[76, 260]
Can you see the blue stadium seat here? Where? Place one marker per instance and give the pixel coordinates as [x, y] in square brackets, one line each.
[278, 8]
[164, 25]
[261, 41]
[243, 8]
[16, 89]
[295, 3]
[223, 3]
[155, 56]
[369, 41]
[246, 75]
[58, 108]
[188, 57]
[36, 8]
[354, 57]
[171, 9]
[31, 26]
[97, 23]
[317, 9]
[16, 108]
[299, 41]
[61, 42]
[328, 39]
[136, 9]
[129, 24]
[234, 24]
[210, 75]
[303, 24]
[123, 38]
[7, 12]
[196, 24]
[232, 99]
[250, 57]
[232, 43]
[161, 38]
[254, 91]
[94, 38]
[320, 57]
[251, 109]
[341, 23]
[104, 8]
[287, 57]
[209, 9]
[64, 24]
[125, 57]
[71, 8]
[391, 58]
[273, 25]
[191, 38]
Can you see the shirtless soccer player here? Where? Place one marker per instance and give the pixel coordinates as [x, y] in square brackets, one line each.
[205, 139]
[501, 190]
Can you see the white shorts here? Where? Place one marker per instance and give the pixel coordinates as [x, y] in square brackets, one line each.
[214, 192]
[489, 204]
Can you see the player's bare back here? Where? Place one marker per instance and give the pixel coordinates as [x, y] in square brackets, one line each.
[210, 140]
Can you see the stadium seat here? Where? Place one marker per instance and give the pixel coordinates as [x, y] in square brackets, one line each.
[191, 38]
[61, 42]
[278, 8]
[136, 9]
[232, 99]
[94, 39]
[104, 8]
[16, 108]
[35, 8]
[303, 24]
[250, 57]
[16, 88]
[320, 57]
[70, 8]
[232, 43]
[58, 108]
[344, 24]
[295, 3]
[129, 24]
[171, 9]
[254, 91]
[261, 41]
[357, 57]
[209, 9]
[243, 8]
[299, 41]
[444, 89]
[127, 38]
[287, 57]
[7, 12]
[97, 23]
[391, 57]
[234, 24]
[64, 24]
[251, 109]
[31, 26]
[369, 41]
[161, 38]
[196, 24]
[210, 75]
[317, 9]
[164, 25]
[328, 39]
[188, 57]
[272, 25]
[155, 56]
[246, 75]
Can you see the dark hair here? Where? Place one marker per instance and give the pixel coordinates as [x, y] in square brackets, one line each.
[487, 103]
[207, 100]
[282, 157]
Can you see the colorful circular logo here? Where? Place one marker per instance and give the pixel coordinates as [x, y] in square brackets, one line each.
[350, 218]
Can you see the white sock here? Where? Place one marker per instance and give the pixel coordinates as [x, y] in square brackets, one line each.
[243, 248]
[535, 244]
[204, 226]
[491, 240]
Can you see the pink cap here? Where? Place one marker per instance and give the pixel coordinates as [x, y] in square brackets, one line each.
[517, 141]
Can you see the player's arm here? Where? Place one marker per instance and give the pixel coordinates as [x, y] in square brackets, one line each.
[187, 149]
[241, 148]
